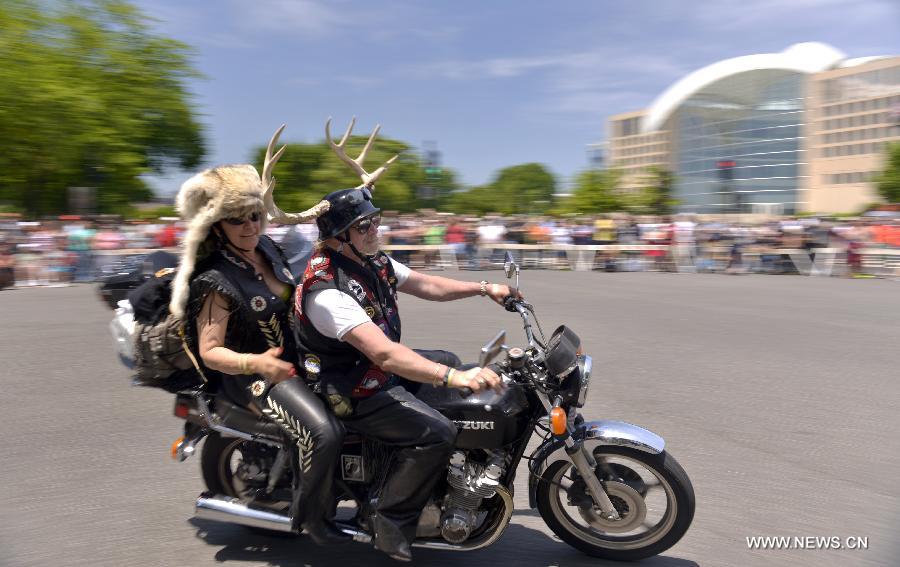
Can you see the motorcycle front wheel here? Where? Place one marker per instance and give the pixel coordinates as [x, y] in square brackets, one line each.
[652, 494]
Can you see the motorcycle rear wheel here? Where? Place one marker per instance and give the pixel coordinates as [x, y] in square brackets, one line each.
[655, 501]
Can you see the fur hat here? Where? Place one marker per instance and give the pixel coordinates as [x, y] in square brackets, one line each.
[204, 199]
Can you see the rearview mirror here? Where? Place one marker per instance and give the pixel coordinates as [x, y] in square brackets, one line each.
[509, 265]
[490, 351]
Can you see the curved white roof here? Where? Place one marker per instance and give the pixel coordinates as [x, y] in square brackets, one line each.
[810, 57]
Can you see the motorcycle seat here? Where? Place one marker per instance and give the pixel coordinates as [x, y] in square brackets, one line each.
[236, 417]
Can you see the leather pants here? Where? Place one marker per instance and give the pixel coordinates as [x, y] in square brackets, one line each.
[319, 436]
[424, 439]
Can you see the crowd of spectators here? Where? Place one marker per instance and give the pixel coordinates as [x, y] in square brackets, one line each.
[68, 249]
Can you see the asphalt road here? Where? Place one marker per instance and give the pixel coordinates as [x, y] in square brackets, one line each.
[778, 395]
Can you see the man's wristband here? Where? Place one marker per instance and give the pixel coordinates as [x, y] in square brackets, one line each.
[448, 377]
[484, 285]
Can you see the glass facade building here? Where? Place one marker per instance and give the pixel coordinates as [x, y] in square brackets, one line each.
[738, 143]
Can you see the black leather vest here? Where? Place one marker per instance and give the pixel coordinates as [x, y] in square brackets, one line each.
[259, 319]
[337, 365]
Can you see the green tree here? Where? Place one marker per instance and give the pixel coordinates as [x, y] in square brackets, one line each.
[654, 197]
[596, 191]
[889, 180]
[89, 97]
[519, 189]
[307, 172]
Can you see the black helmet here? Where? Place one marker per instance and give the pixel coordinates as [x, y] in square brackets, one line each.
[347, 207]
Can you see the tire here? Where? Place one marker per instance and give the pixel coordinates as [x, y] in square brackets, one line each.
[587, 537]
[215, 465]
[216, 476]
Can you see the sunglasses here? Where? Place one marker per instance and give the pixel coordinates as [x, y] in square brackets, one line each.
[365, 225]
[252, 217]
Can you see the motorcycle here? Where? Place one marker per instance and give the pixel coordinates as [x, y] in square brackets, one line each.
[607, 488]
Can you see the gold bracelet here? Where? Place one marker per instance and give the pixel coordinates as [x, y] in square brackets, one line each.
[450, 377]
[483, 290]
[242, 363]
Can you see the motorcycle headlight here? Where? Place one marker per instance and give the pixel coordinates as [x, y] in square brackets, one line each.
[584, 366]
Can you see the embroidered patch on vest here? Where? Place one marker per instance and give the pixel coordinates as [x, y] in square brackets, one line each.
[370, 311]
[357, 289]
[258, 303]
[312, 365]
[258, 388]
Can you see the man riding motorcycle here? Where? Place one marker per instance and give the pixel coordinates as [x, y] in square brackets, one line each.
[348, 339]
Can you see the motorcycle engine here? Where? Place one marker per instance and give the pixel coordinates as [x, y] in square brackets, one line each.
[469, 483]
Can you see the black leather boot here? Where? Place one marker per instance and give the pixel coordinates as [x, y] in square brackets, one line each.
[390, 539]
[325, 533]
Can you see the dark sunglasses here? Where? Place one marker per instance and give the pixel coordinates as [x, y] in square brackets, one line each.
[252, 217]
[365, 225]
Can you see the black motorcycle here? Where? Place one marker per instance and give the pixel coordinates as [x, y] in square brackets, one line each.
[607, 488]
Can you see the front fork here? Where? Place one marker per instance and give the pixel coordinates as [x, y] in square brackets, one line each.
[584, 462]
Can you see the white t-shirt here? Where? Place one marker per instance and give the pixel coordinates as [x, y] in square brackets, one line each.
[334, 313]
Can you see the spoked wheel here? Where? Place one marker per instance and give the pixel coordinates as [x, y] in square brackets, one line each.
[651, 493]
[234, 467]
[226, 471]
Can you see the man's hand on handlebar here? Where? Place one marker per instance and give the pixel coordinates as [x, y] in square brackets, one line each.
[477, 379]
[499, 292]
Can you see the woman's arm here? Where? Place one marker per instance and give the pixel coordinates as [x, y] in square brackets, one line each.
[211, 325]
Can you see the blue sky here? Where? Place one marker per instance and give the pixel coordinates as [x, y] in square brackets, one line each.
[493, 84]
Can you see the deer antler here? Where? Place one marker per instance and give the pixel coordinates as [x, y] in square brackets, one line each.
[368, 179]
[276, 214]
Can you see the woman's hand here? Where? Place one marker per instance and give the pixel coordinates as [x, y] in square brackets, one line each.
[272, 368]
[476, 379]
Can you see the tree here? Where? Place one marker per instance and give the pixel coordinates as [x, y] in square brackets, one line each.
[307, 172]
[520, 189]
[89, 97]
[889, 180]
[596, 191]
[655, 197]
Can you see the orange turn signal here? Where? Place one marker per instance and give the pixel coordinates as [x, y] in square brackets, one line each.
[558, 421]
[175, 446]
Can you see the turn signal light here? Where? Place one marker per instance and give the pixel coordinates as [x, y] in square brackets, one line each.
[175, 446]
[558, 421]
[182, 410]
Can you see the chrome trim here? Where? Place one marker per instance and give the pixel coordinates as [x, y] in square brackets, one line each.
[591, 434]
[586, 363]
[225, 509]
[611, 432]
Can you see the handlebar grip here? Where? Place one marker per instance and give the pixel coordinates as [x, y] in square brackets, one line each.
[509, 303]
[465, 392]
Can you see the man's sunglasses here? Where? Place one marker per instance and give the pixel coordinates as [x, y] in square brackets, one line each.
[365, 225]
[252, 217]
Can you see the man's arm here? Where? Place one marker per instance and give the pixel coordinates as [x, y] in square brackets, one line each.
[436, 288]
[397, 359]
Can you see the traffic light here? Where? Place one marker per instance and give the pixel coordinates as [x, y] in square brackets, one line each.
[726, 169]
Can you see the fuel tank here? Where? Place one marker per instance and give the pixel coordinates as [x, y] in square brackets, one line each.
[486, 420]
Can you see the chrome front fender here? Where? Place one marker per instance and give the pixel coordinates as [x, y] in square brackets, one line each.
[592, 434]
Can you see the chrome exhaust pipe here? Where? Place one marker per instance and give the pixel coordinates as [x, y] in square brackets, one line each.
[225, 509]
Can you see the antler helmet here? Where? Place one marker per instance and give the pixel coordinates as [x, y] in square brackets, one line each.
[223, 192]
[348, 206]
